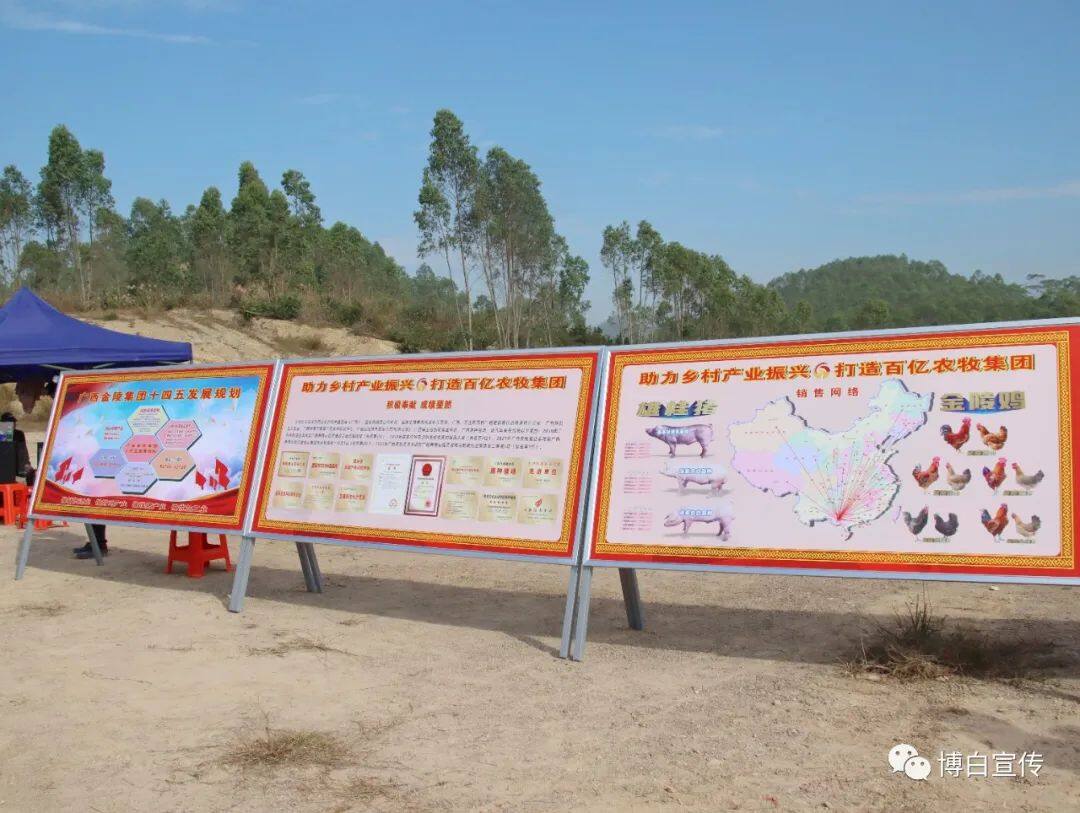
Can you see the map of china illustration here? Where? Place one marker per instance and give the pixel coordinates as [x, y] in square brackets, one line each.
[840, 478]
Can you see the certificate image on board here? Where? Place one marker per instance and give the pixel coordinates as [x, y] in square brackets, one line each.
[391, 473]
[292, 464]
[459, 505]
[465, 471]
[425, 486]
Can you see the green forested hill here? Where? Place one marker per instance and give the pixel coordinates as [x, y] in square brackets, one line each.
[895, 291]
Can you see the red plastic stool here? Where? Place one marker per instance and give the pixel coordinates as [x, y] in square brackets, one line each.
[41, 524]
[12, 502]
[196, 553]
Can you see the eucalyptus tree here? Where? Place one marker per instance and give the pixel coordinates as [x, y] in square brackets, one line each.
[72, 189]
[448, 204]
[16, 221]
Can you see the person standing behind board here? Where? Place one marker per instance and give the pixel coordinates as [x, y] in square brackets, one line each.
[25, 470]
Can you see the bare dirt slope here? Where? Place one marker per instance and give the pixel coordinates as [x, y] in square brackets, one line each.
[431, 683]
[220, 335]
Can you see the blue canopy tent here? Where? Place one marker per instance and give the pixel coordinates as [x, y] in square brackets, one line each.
[38, 341]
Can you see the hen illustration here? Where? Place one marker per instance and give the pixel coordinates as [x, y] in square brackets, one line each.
[946, 527]
[960, 436]
[996, 524]
[1027, 480]
[996, 476]
[957, 481]
[1027, 529]
[926, 478]
[916, 523]
[995, 440]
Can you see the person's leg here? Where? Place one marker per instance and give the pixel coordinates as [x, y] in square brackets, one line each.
[103, 544]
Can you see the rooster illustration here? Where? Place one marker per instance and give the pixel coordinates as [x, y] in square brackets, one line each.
[957, 481]
[926, 478]
[996, 524]
[1027, 480]
[996, 476]
[960, 436]
[916, 523]
[1027, 529]
[994, 440]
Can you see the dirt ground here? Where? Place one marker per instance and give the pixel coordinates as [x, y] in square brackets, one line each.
[436, 684]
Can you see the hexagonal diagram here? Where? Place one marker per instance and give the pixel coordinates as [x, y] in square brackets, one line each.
[111, 434]
[141, 448]
[136, 478]
[107, 462]
[173, 464]
[179, 434]
[147, 420]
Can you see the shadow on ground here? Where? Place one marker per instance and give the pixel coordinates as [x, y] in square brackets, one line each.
[809, 636]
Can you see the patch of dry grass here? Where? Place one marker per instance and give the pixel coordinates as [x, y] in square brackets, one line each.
[298, 644]
[274, 748]
[919, 645]
[49, 609]
[311, 345]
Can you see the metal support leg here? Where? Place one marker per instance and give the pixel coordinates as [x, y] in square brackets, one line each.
[94, 547]
[240, 578]
[313, 564]
[632, 598]
[570, 613]
[23, 553]
[582, 624]
[305, 565]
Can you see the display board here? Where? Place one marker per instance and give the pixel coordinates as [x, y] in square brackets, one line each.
[937, 454]
[172, 446]
[482, 453]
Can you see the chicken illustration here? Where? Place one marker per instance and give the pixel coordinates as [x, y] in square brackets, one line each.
[996, 524]
[946, 527]
[1027, 529]
[960, 436]
[926, 477]
[1027, 480]
[916, 523]
[957, 481]
[995, 440]
[996, 476]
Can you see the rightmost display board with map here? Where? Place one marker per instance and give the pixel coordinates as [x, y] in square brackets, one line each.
[950, 452]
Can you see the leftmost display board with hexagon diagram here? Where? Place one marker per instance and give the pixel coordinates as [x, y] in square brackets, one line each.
[174, 446]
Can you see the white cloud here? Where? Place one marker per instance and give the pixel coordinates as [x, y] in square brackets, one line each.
[688, 132]
[1065, 189]
[13, 15]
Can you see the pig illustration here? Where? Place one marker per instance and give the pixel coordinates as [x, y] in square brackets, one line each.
[675, 436]
[722, 515]
[700, 474]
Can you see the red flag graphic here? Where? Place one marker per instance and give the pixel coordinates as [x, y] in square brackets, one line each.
[200, 481]
[220, 469]
[224, 480]
[77, 475]
[61, 470]
[213, 483]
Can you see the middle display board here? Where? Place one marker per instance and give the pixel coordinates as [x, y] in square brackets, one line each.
[478, 453]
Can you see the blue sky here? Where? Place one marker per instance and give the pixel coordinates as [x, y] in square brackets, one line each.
[780, 135]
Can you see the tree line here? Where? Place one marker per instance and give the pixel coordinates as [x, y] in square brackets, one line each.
[506, 277]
